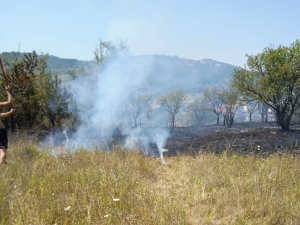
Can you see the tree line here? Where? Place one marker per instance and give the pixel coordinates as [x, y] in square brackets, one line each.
[269, 83]
[40, 100]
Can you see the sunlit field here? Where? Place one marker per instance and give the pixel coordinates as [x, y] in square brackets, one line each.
[126, 187]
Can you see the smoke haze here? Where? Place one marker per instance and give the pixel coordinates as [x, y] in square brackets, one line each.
[107, 106]
[115, 102]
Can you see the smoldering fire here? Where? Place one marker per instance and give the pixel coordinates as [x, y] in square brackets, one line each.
[102, 105]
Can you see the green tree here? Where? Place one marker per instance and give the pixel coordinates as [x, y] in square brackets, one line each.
[140, 104]
[273, 77]
[230, 98]
[214, 103]
[197, 110]
[263, 111]
[108, 50]
[58, 103]
[24, 77]
[34, 92]
[172, 102]
[251, 107]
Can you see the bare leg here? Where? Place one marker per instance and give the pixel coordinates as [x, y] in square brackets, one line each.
[2, 156]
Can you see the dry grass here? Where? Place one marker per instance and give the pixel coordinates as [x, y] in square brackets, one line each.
[118, 187]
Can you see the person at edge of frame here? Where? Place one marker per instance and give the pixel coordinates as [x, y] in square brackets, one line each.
[3, 131]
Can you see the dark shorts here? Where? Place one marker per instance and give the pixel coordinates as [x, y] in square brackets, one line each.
[3, 138]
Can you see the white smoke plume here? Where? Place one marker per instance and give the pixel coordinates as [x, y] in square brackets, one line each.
[102, 101]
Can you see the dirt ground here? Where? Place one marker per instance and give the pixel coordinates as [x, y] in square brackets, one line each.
[244, 138]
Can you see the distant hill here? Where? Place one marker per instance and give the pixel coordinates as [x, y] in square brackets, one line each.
[194, 76]
[61, 65]
[56, 65]
[168, 72]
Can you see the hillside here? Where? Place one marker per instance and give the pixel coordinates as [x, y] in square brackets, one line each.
[194, 76]
[167, 72]
[56, 65]
[61, 65]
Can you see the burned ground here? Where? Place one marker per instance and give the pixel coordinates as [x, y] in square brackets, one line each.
[243, 138]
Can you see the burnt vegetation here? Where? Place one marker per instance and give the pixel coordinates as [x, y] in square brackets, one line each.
[253, 110]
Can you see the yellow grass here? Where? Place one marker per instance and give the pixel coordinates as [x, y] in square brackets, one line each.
[119, 187]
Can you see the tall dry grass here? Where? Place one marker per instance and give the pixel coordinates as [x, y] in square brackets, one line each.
[126, 187]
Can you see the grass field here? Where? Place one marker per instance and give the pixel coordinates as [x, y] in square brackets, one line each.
[119, 187]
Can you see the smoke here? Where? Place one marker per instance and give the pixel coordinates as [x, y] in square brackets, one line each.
[105, 103]
[148, 140]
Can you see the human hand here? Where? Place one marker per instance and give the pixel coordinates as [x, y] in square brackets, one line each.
[7, 88]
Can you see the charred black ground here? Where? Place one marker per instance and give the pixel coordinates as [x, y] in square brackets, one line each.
[244, 138]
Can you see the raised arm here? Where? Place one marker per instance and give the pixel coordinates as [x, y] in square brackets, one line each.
[9, 101]
[6, 114]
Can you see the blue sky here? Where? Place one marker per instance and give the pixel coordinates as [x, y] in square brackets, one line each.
[221, 30]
